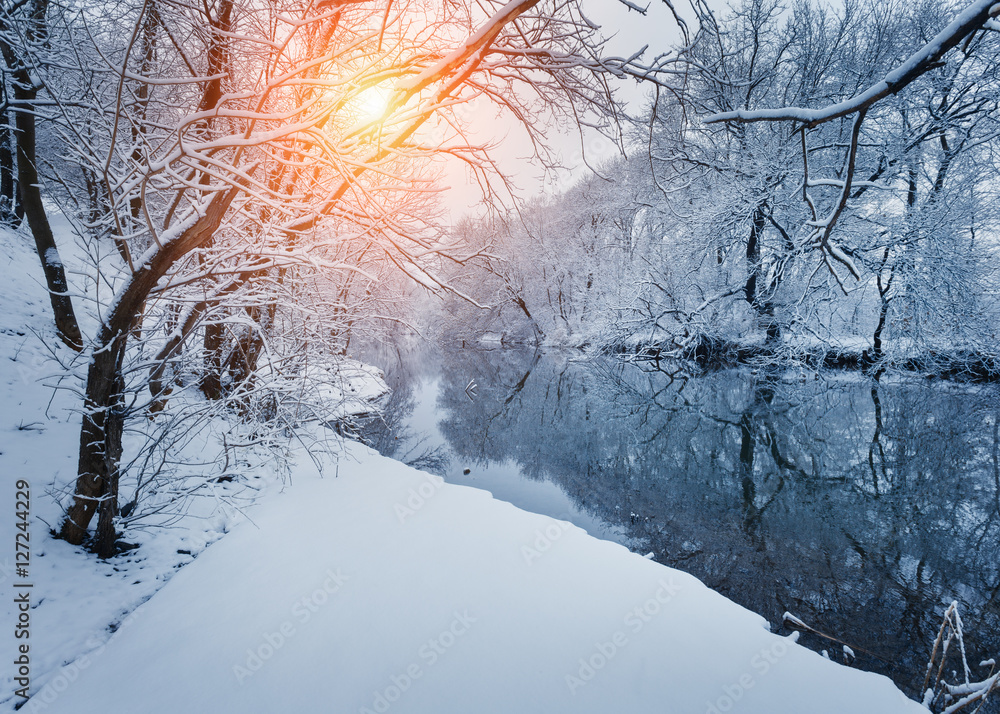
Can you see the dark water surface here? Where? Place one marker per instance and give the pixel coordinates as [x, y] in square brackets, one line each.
[862, 509]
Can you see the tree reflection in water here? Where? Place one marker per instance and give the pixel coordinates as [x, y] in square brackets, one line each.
[861, 508]
[390, 432]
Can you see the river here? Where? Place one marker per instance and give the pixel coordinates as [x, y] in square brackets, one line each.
[863, 509]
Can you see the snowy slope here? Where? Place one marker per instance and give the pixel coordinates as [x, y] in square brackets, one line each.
[385, 589]
[76, 599]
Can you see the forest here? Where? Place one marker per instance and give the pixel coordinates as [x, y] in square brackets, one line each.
[866, 240]
[235, 204]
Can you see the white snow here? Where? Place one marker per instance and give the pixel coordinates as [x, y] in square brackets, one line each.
[371, 588]
[52, 257]
[331, 601]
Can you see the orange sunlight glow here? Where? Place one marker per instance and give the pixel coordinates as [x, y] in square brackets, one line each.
[371, 104]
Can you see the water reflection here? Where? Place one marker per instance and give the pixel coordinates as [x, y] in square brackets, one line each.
[863, 509]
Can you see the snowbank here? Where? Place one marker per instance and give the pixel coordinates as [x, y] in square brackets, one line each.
[384, 589]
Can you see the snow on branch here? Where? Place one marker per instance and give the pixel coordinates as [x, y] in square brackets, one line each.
[482, 39]
[632, 6]
[974, 17]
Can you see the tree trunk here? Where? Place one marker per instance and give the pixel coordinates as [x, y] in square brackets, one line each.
[147, 53]
[45, 243]
[104, 414]
[100, 448]
[11, 211]
[883, 313]
[876, 443]
[25, 93]
[218, 62]
[539, 334]
[761, 304]
[877, 352]
[215, 340]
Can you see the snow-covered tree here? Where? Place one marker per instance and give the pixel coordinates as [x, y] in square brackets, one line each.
[283, 140]
[24, 44]
[928, 107]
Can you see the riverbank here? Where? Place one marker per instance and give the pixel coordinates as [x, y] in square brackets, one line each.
[710, 353]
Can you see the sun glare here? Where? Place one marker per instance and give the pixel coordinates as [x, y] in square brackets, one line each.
[372, 104]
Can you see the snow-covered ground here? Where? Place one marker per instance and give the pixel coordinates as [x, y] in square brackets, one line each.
[365, 587]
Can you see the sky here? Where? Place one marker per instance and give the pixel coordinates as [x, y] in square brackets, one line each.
[628, 31]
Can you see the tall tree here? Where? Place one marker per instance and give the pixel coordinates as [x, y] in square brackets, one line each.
[24, 31]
